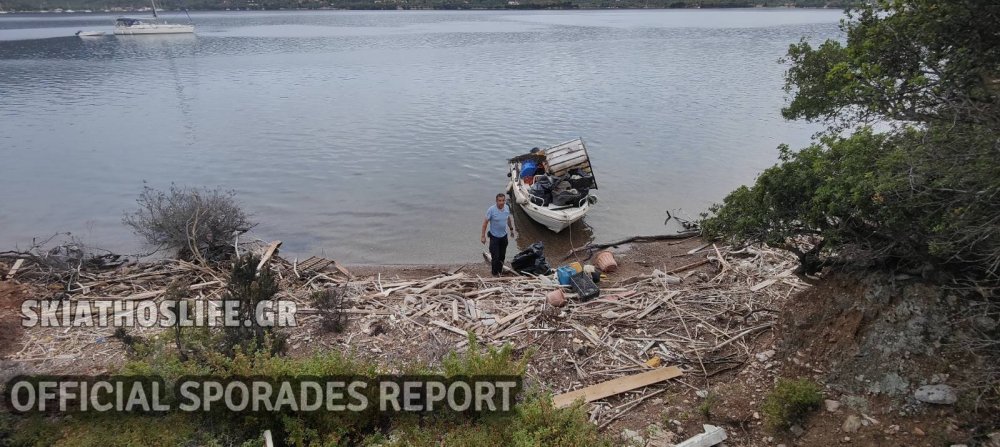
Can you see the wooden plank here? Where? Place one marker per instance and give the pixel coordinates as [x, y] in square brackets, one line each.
[470, 309]
[268, 253]
[146, 295]
[316, 266]
[698, 248]
[343, 270]
[309, 263]
[712, 436]
[484, 292]
[616, 386]
[440, 281]
[763, 284]
[689, 266]
[449, 327]
[14, 269]
[516, 314]
[657, 303]
[514, 328]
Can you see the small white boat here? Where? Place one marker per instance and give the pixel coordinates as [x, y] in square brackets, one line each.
[129, 27]
[125, 26]
[566, 162]
[82, 33]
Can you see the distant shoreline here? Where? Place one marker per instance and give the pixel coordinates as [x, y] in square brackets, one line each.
[375, 8]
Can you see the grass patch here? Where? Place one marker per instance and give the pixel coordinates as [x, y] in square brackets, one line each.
[705, 407]
[791, 402]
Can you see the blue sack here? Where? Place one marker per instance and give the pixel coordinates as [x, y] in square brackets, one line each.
[528, 168]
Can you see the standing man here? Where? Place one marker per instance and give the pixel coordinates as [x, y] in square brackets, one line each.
[498, 219]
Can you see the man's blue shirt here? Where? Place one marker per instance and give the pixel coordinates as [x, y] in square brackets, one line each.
[498, 220]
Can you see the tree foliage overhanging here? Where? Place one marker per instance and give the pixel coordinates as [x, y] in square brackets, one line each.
[908, 172]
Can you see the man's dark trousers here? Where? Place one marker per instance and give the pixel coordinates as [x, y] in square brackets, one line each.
[498, 250]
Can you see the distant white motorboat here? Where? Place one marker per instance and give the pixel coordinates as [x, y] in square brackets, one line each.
[82, 33]
[126, 26]
[569, 176]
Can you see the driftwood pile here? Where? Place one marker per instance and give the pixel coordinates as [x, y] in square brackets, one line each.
[701, 317]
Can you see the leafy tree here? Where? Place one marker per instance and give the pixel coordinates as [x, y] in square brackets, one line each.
[907, 173]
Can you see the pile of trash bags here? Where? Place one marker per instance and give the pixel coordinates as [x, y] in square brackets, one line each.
[531, 260]
[568, 189]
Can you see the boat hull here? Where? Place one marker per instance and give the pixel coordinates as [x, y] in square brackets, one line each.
[555, 220]
[153, 29]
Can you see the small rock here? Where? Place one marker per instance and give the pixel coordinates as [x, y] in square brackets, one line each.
[632, 437]
[779, 445]
[832, 405]
[985, 323]
[765, 356]
[893, 429]
[658, 437]
[917, 431]
[756, 415]
[797, 430]
[856, 403]
[852, 424]
[959, 445]
[938, 378]
[936, 394]
[846, 439]
[702, 393]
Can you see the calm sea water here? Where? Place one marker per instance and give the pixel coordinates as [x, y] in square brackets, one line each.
[381, 137]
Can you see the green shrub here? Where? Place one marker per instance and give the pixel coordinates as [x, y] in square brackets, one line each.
[330, 304]
[920, 194]
[250, 287]
[790, 402]
[488, 361]
[533, 422]
[705, 407]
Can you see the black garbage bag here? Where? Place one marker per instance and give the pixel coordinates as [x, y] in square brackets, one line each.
[541, 267]
[568, 197]
[531, 260]
[542, 190]
[580, 179]
[543, 183]
[527, 257]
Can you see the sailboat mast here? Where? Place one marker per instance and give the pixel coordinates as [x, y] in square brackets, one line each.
[154, 7]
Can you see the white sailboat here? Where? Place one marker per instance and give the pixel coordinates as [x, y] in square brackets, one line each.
[126, 26]
[567, 162]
